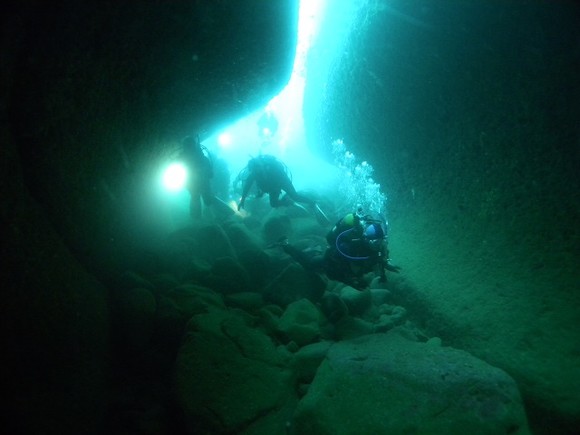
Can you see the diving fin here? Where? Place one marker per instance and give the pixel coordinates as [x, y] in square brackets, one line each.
[321, 216]
[222, 208]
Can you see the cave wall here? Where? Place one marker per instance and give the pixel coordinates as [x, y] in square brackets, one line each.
[470, 91]
[469, 113]
[94, 96]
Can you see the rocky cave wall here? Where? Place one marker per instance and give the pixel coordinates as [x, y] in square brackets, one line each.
[469, 112]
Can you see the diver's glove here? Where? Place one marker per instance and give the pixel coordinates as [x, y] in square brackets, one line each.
[392, 267]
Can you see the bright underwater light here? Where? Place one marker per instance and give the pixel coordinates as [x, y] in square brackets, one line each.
[225, 140]
[174, 177]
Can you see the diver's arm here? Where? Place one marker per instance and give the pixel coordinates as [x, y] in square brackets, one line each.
[387, 265]
[247, 186]
[382, 266]
[383, 262]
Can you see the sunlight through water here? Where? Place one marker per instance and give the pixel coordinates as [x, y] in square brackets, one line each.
[278, 128]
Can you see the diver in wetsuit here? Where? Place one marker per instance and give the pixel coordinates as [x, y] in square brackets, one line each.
[270, 176]
[356, 246]
[200, 174]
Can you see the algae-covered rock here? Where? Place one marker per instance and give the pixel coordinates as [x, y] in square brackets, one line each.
[386, 384]
[229, 375]
[301, 322]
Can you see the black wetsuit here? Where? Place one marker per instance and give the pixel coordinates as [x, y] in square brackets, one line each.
[348, 257]
[200, 174]
[271, 177]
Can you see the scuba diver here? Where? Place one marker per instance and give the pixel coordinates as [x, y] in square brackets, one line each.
[200, 168]
[356, 246]
[200, 173]
[267, 125]
[271, 176]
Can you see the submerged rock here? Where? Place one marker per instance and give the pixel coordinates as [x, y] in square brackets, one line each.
[291, 285]
[357, 301]
[301, 322]
[230, 376]
[248, 301]
[307, 360]
[228, 276]
[386, 384]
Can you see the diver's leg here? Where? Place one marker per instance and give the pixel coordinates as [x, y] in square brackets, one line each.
[195, 206]
[274, 198]
[207, 195]
[339, 269]
[291, 192]
[301, 198]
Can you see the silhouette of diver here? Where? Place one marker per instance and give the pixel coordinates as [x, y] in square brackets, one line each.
[200, 174]
[267, 124]
[271, 176]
